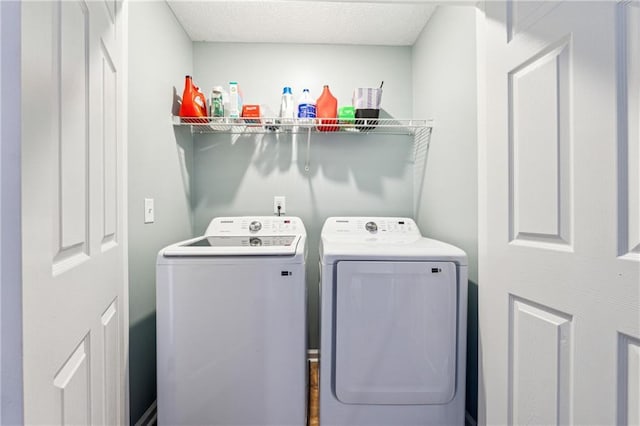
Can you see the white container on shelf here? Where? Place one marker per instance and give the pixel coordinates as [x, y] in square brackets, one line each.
[306, 108]
[287, 109]
[234, 104]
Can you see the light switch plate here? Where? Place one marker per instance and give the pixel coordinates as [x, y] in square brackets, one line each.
[149, 210]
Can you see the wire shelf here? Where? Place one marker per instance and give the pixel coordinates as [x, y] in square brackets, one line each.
[419, 129]
[302, 125]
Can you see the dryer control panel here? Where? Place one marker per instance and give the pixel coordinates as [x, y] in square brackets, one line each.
[368, 226]
[255, 225]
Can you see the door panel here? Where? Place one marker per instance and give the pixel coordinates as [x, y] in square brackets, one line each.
[71, 134]
[539, 145]
[540, 364]
[74, 388]
[629, 381]
[74, 275]
[111, 342]
[395, 332]
[558, 283]
[108, 114]
[629, 137]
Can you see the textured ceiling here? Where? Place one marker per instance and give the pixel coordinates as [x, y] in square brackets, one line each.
[390, 23]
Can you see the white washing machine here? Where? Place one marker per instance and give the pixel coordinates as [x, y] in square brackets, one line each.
[393, 325]
[231, 325]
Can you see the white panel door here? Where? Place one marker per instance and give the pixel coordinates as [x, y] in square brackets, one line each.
[559, 247]
[74, 275]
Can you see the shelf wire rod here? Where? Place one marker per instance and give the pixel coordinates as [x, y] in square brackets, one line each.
[306, 164]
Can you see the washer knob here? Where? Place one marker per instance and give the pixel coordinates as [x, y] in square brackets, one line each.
[255, 226]
[371, 226]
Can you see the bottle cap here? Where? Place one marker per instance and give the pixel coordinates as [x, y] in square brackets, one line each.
[286, 90]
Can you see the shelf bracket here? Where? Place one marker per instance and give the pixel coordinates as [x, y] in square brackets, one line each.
[306, 163]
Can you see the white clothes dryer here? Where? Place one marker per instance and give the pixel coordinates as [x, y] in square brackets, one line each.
[393, 325]
[231, 325]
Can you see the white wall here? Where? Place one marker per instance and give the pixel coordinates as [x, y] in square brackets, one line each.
[349, 174]
[10, 228]
[444, 81]
[262, 69]
[160, 54]
[444, 72]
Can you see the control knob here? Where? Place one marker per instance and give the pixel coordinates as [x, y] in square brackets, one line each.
[371, 226]
[255, 226]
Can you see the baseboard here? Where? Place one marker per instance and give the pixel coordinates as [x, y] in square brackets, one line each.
[312, 355]
[468, 420]
[150, 417]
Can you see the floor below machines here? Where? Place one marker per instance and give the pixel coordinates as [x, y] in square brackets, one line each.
[314, 393]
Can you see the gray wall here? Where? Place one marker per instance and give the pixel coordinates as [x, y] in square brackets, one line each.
[10, 216]
[349, 174]
[444, 81]
[160, 163]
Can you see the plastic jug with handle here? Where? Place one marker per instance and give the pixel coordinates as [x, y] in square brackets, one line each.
[327, 111]
[194, 103]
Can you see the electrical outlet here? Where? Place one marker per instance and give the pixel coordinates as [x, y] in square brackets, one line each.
[279, 201]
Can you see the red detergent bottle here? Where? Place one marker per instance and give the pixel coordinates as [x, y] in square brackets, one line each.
[194, 103]
[327, 111]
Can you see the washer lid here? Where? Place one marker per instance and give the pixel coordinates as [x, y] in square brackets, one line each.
[236, 245]
[245, 236]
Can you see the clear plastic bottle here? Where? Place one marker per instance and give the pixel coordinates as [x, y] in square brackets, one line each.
[217, 102]
[306, 108]
[287, 109]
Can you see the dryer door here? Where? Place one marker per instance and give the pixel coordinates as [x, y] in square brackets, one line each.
[395, 332]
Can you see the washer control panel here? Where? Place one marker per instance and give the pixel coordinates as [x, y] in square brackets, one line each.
[255, 225]
[378, 226]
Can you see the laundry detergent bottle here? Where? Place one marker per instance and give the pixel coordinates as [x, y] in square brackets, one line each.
[287, 109]
[194, 103]
[327, 111]
[306, 107]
